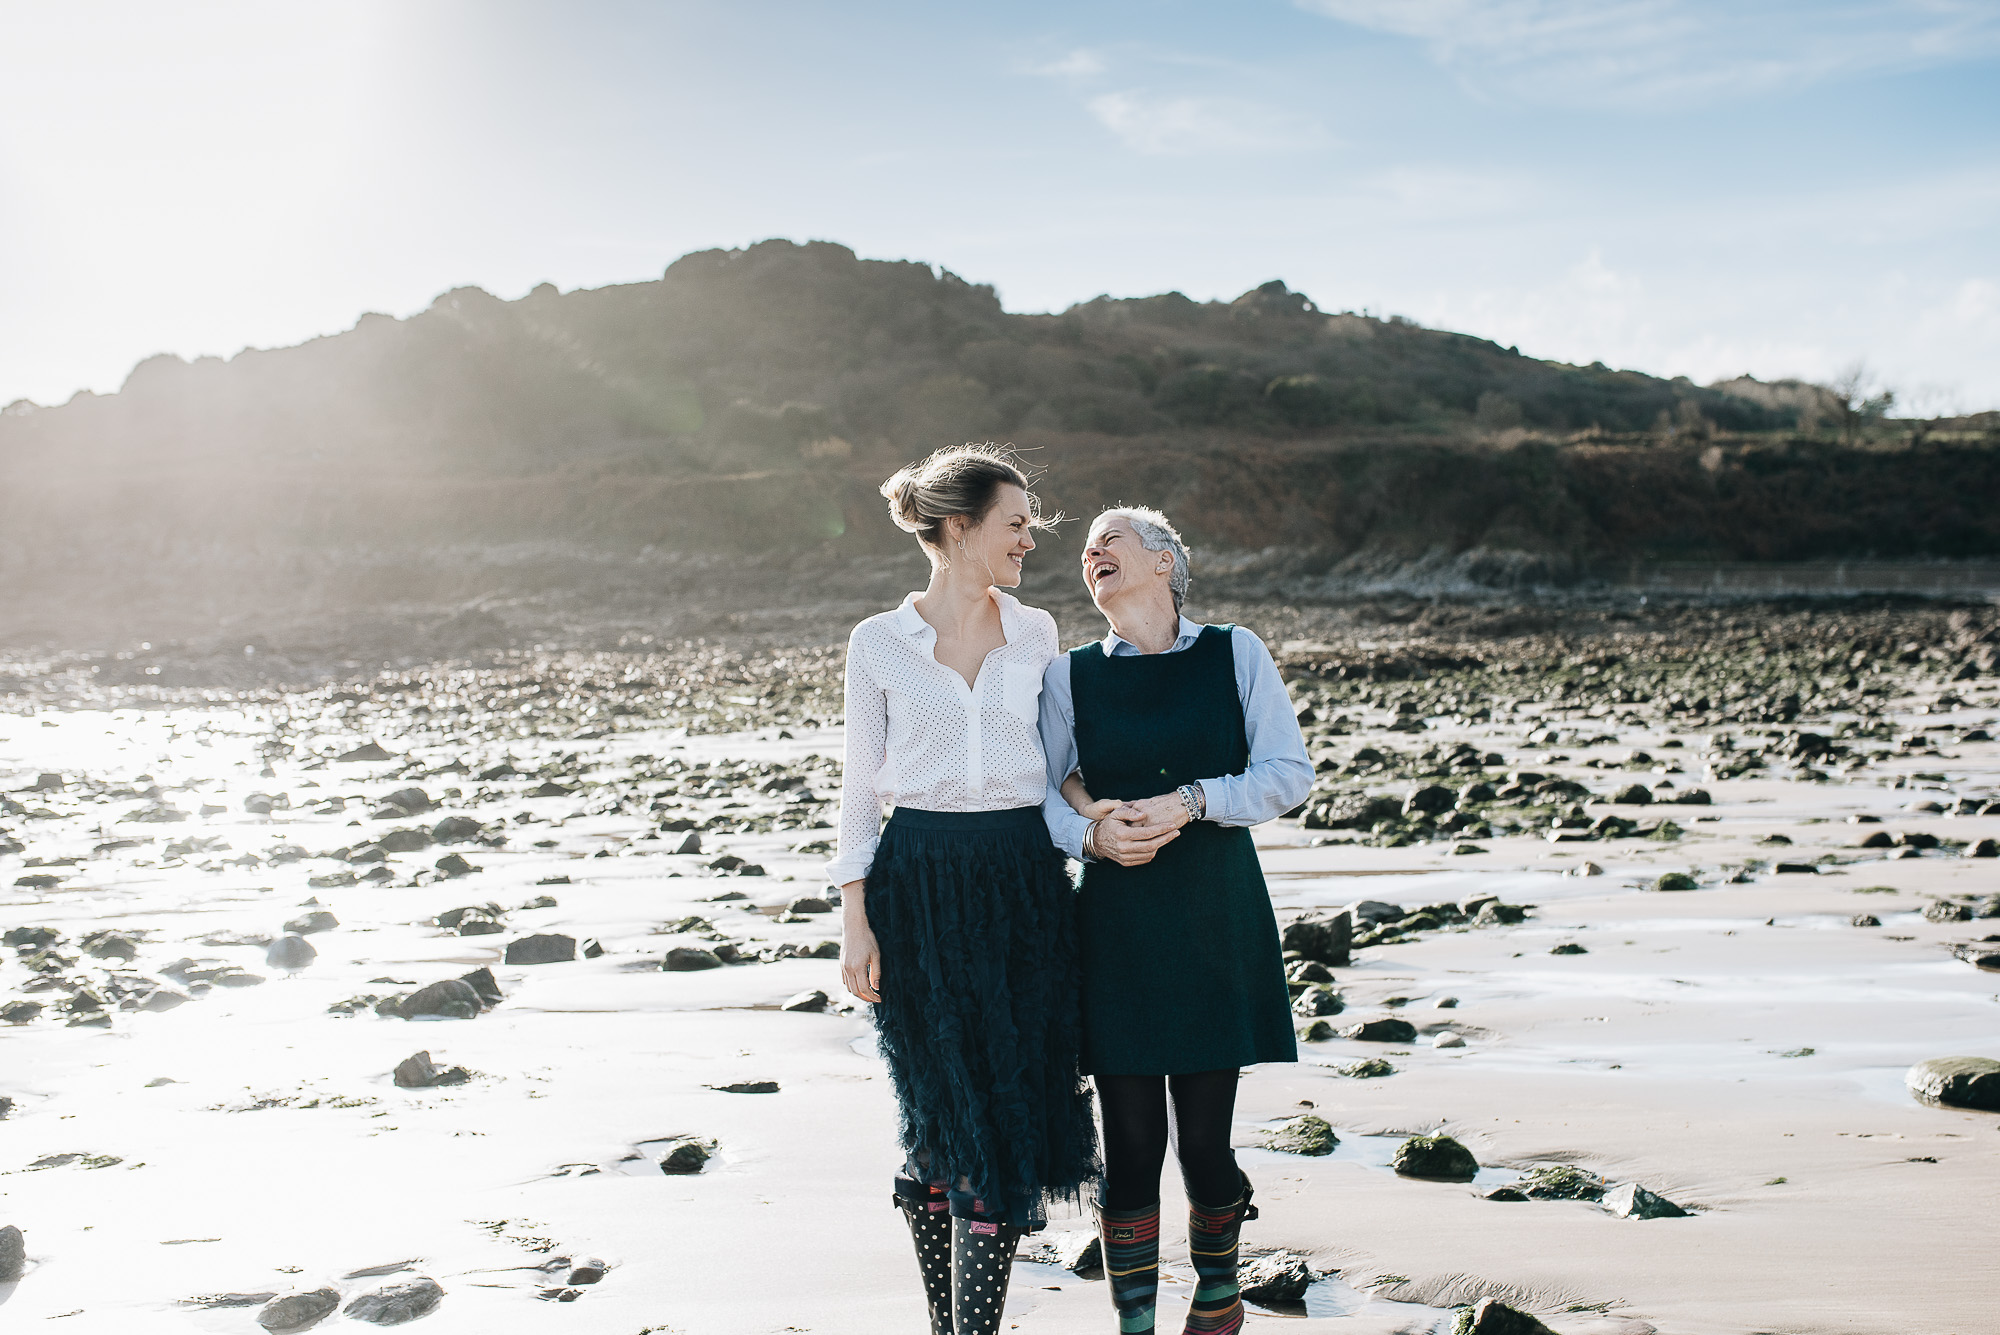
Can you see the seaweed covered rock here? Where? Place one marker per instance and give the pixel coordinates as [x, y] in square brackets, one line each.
[1490, 1316]
[1439, 1158]
[1959, 1082]
[1561, 1182]
[1317, 999]
[1305, 1134]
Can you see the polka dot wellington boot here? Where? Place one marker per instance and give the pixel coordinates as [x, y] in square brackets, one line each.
[930, 1229]
[982, 1262]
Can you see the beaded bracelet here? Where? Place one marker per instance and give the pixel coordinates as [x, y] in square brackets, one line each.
[1191, 798]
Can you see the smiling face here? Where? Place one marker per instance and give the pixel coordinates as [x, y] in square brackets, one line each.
[1117, 567]
[1000, 542]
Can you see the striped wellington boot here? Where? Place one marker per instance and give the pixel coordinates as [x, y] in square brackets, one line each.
[1212, 1239]
[1132, 1264]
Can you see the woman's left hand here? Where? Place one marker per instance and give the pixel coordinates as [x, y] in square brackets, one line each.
[1165, 812]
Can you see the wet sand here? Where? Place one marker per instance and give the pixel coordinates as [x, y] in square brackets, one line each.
[1738, 1048]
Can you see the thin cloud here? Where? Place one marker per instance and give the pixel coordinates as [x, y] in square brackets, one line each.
[1423, 193]
[1180, 126]
[1642, 52]
[1078, 64]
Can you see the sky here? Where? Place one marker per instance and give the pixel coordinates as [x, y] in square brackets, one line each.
[1686, 187]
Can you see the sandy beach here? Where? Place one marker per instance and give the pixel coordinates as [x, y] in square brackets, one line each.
[183, 1146]
[449, 453]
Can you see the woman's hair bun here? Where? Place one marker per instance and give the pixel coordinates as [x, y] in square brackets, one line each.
[962, 481]
[901, 490]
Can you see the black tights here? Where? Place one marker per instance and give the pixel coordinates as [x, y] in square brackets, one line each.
[1135, 1136]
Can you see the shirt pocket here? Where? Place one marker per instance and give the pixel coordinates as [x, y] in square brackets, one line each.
[1021, 691]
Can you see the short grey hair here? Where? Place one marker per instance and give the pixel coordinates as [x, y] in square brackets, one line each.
[1156, 534]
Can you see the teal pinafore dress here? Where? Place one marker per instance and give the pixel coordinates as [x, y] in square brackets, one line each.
[1182, 969]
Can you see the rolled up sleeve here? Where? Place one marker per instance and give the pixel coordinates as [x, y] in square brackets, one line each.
[1279, 773]
[867, 750]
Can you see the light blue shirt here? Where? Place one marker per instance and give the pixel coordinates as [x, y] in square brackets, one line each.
[1277, 778]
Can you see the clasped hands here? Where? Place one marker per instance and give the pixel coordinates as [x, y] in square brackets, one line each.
[1130, 833]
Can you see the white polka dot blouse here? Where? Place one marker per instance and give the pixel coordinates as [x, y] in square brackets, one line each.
[918, 736]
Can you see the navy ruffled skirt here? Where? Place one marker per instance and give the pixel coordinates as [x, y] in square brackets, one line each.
[979, 1020]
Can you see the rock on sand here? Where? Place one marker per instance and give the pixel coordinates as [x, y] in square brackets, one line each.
[685, 1156]
[1632, 1201]
[1439, 1158]
[1306, 1134]
[1282, 1277]
[13, 1253]
[298, 1309]
[1961, 1082]
[1329, 940]
[290, 952]
[417, 1071]
[396, 1303]
[1489, 1316]
[688, 959]
[545, 948]
[453, 998]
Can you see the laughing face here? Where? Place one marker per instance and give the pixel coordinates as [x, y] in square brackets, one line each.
[1000, 542]
[1115, 562]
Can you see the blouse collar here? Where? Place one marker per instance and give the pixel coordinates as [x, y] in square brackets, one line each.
[911, 622]
[1112, 639]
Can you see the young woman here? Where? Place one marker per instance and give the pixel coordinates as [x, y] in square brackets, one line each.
[1188, 736]
[959, 913]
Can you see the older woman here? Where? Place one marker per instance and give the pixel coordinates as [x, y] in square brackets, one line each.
[1166, 741]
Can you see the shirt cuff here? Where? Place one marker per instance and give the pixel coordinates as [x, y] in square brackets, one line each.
[850, 866]
[1067, 829]
[1215, 808]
